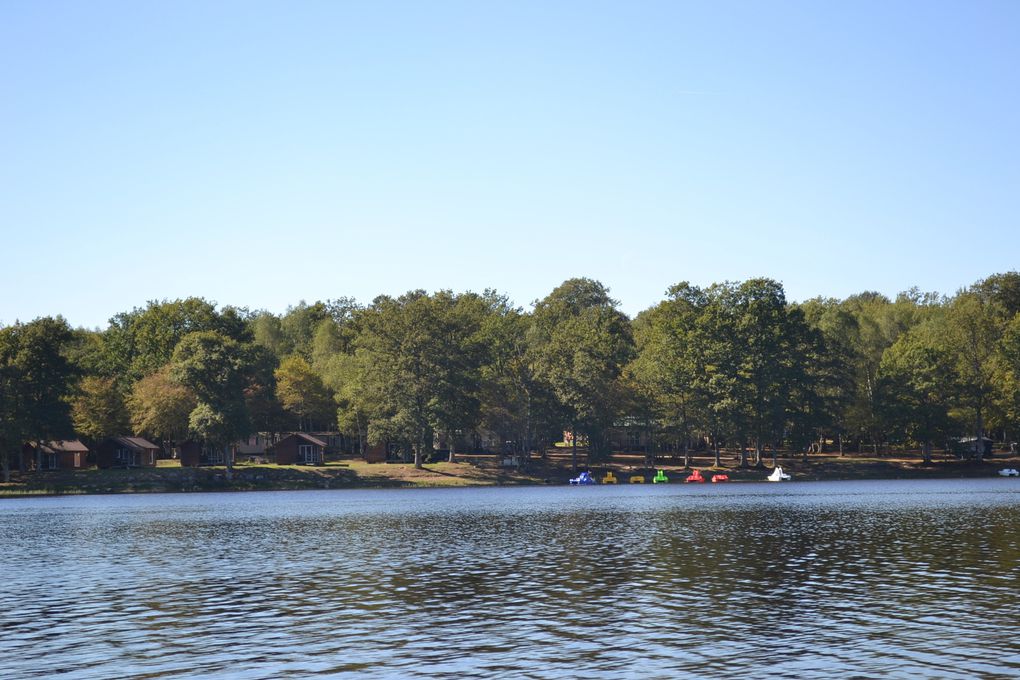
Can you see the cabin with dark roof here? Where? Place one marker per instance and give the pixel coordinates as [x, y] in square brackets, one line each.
[299, 449]
[64, 454]
[194, 454]
[126, 452]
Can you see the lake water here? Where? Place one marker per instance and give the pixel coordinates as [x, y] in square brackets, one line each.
[800, 580]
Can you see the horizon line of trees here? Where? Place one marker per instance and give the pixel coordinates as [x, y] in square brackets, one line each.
[733, 363]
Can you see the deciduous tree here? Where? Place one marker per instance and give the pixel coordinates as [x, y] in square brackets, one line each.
[98, 408]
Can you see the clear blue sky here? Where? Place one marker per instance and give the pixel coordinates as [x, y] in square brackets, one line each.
[258, 154]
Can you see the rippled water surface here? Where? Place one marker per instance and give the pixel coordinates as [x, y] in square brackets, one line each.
[863, 579]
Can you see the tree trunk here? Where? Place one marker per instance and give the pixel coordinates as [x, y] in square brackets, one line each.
[453, 445]
[743, 454]
[926, 451]
[757, 453]
[231, 452]
[687, 454]
[573, 447]
[839, 438]
[7, 467]
[715, 447]
[979, 445]
[650, 449]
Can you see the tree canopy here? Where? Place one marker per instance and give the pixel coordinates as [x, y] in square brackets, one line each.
[732, 364]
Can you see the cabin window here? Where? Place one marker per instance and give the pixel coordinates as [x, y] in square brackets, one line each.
[126, 456]
[307, 453]
[214, 456]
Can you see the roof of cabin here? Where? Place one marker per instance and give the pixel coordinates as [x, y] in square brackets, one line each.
[307, 437]
[62, 446]
[135, 443]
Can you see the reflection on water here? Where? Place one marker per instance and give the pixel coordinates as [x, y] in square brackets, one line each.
[801, 580]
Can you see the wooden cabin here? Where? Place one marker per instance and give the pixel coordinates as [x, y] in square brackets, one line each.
[299, 449]
[194, 454]
[64, 454]
[126, 452]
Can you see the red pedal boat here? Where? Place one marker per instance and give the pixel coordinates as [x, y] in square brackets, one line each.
[695, 477]
[720, 478]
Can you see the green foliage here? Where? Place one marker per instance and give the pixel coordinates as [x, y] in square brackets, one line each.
[732, 362]
[1010, 371]
[36, 378]
[267, 331]
[580, 341]
[1003, 291]
[971, 331]
[140, 342]
[514, 403]
[260, 395]
[668, 379]
[419, 358]
[160, 407]
[299, 324]
[98, 409]
[220, 424]
[302, 393]
[217, 369]
[919, 386]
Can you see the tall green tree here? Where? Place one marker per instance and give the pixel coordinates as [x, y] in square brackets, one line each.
[418, 361]
[670, 366]
[214, 367]
[1010, 373]
[972, 333]
[299, 324]
[358, 397]
[761, 323]
[919, 379]
[264, 408]
[160, 407]
[98, 409]
[816, 382]
[36, 379]
[1003, 291]
[835, 366]
[142, 341]
[303, 394]
[514, 403]
[874, 331]
[581, 343]
[12, 433]
[267, 331]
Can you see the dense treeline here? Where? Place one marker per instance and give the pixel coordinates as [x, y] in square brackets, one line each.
[732, 364]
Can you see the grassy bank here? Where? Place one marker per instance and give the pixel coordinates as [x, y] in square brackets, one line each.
[555, 468]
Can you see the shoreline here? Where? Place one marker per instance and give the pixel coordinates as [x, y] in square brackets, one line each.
[470, 471]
